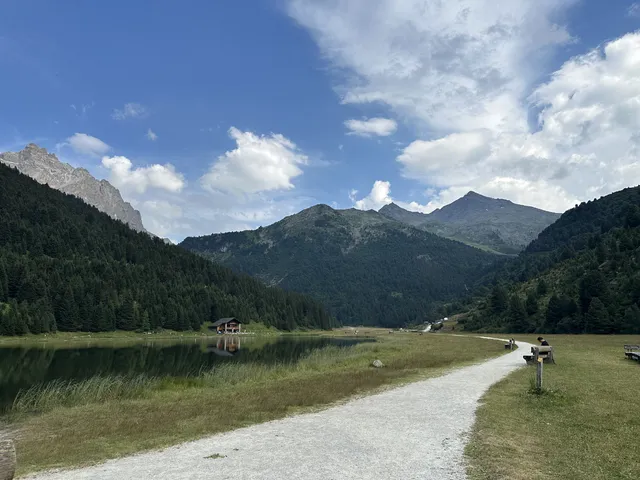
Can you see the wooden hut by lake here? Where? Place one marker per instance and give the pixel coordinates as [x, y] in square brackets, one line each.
[227, 325]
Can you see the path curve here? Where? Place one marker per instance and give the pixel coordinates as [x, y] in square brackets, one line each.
[417, 431]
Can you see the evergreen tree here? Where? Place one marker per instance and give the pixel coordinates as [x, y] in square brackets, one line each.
[532, 304]
[518, 315]
[554, 314]
[4, 283]
[68, 266]
[66, 312]
[146, 325]
[592, 285]
[499, 299]
[597, 318]
[541, 288]
[125, 317]
[631, 322]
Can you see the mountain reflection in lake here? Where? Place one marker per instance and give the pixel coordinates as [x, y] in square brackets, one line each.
[23, 367]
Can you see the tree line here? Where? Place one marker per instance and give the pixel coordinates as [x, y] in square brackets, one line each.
[66, 266]
[582, 275]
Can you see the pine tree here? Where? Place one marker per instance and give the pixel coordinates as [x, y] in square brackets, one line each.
[532, 304]
[8, 321]
[4, 283]
[66, 312]
[146, 325]
[597, 318]
[518, 315]
[541, 288]
[592, 285]
[554, 314]
[125, 315]
[499, 299]
[631, 321]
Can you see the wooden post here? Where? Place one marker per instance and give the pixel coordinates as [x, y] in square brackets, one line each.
[539, 374]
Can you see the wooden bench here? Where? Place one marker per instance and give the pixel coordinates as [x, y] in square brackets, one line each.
[632, 352]
[545, 352]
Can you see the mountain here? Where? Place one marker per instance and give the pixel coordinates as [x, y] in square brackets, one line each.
[493, 224]
[581, 275]
[45, 168]
[367, 268]
[65, 265]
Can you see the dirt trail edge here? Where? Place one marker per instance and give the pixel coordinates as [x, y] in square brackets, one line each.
[417, 431]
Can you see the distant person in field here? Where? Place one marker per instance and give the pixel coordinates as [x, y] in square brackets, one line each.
[543, 342]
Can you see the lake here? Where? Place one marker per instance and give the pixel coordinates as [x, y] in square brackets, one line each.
[23, 367]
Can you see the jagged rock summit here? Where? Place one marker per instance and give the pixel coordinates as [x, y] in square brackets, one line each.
[45, 168]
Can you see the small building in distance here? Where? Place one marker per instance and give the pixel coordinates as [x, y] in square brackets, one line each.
[227, 325]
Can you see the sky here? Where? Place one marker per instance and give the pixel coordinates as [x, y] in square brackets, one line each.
[213, 116]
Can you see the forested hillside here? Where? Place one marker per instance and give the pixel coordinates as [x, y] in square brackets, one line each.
[366, 268]
[582, 275]
[66, 266]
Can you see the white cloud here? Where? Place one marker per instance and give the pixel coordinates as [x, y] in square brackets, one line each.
[151, 135]
[86, 144]
[123, 175]
[381, 127]
[257, 164]
[634, 10]
[466, 73]
[379, 196]
[130, 110]
[459, 65]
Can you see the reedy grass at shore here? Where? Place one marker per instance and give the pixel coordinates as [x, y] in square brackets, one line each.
[584, 423]
[71, 429]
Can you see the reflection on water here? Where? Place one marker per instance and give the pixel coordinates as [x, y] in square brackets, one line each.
[225, 346]
[23, 367]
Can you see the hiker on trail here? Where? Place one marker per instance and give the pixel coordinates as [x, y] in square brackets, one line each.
[543, 342]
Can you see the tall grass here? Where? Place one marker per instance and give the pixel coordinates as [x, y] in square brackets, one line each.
[118, 420]
[98, 389]
[65, 393]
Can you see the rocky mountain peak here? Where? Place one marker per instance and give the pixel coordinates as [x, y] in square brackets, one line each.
[44, 167]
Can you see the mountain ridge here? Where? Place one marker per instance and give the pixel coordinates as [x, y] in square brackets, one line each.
[366, 268]
[44, 167]
[580, 275]
[498, 225]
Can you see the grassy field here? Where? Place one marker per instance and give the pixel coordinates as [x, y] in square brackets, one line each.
[585, 424]
[86, 422]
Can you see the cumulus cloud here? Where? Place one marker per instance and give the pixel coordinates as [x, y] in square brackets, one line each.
[466, 72]
[123, 175]
[379, 196]
[259, 163]
[151, 135]
[381, 127]
[86, 144]
[457, 65]
[130, 110]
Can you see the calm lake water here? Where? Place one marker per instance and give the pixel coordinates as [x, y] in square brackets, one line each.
[23, 367]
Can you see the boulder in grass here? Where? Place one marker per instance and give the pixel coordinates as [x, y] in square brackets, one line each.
[7, 460]
[377, 364]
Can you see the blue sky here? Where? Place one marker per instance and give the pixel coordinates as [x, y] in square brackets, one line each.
[221, 115]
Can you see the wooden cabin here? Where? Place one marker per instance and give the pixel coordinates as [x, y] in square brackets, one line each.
[227, 325]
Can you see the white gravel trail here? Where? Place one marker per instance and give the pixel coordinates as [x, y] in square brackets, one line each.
[417, 431]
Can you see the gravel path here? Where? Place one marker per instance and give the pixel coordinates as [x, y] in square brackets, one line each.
[417, 431]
